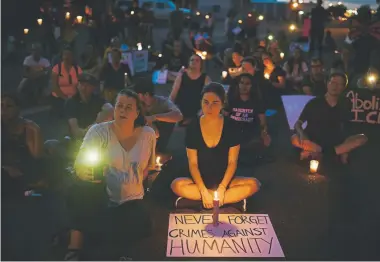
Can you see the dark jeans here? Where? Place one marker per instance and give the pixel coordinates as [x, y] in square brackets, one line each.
[117, 228]
[165, 130]
[57, 106]
[316, 41]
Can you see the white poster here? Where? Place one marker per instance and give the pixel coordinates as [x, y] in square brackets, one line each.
[140, 61]
[293, 107]
[237, 235]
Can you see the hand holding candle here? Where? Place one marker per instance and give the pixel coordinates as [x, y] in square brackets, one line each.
[224, 74]
[67, 16]
[314, 166]
[158, 163]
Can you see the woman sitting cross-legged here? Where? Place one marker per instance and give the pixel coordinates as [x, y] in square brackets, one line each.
[126, 152]
[212, 144]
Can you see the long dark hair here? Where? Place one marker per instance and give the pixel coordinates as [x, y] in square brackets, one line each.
[215, 88]
[254, 92]
[140, 120]
[292, 61]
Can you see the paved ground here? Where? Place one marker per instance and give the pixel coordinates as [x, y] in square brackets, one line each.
[300, 206]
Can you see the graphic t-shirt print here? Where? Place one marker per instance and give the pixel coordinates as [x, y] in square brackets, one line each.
[243, 114]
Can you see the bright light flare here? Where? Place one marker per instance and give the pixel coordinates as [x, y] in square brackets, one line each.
[92, 157]
[261, 17]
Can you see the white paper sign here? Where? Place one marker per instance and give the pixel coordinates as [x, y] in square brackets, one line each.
[140, 61]
[237, 235]
[293, 107]
[160, 77]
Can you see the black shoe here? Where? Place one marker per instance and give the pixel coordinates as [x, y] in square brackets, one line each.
[241, 206]
[183, 203]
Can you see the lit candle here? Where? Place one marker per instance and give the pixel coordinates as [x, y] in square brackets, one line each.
[67, 16]
[372, 78]
[139, 46]
[198, 13]
[39, 21]
[79, 19]
[270, 37]
[158, 164]
[224, 74]
[292, 27]
[149, 46]
[26, 31]
[159, 55]
[301, 12]
[314, 166]
[266, 75]
[295, 5]
[132, 12]
[240, 21]
[249, 15]
[215, 213]
[282, 55]
[261, 17]
[207, 16]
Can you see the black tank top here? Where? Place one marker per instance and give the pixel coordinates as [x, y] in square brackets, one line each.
[189, 95]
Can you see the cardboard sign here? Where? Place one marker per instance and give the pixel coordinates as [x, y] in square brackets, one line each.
[140, 61]
[160, 77]
[237, 235]
[365, 106]
[293, 107]
[126, 58]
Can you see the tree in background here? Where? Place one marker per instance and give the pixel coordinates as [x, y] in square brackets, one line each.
[337, 10]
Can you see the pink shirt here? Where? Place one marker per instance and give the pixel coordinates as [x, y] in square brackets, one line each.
[68, 88]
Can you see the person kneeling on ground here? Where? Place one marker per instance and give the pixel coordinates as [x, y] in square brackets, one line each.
[325, 119]
[160, 113]
[82, 111]
[125, 148]
[212, 145]
[246, 108]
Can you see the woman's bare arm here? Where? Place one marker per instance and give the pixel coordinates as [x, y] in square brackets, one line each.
[233, 156]
[192, 156]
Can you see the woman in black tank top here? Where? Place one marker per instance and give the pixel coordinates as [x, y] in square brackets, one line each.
[21, 148]
[187, 89]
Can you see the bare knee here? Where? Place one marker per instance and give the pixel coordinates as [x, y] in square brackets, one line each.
[177, 185]
[253, 184]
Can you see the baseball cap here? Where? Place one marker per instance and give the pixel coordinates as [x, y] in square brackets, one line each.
[87, 78]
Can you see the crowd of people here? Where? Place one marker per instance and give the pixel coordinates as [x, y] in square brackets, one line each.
[117, 126]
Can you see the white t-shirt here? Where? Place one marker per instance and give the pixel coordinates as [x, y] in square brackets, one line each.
[41, 64]
[124, 170]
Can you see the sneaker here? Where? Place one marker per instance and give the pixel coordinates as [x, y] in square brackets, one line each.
[182, 203]
[72, 255]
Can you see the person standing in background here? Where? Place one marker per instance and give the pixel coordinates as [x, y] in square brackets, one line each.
[319, 17]
[176, 22]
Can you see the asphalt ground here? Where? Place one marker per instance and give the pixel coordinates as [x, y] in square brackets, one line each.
[305, 210]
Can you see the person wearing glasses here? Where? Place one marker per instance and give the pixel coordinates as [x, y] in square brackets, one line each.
[326, 119]
[64, 80]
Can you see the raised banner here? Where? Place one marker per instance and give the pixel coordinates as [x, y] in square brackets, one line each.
[237, 235]
[293, 107]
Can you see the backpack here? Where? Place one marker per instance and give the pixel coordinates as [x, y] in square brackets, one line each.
[60, 69]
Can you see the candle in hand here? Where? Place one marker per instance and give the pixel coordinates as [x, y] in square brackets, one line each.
[79, 19]
[314, 166]
[158, 163]
[39, 21]
[224, 74]
[26, 31]
[67, 16]
[215, 213]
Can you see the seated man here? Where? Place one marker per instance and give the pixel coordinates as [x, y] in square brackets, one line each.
[325, 119]
[160, 113]
[35, 76]
[174, 60]
[82, 111]
[315, 83]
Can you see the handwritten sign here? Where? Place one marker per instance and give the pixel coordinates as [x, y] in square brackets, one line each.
[237, 235]
[140, 61]
[293, 107]
[365, 106]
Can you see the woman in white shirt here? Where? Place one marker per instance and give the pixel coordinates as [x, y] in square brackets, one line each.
[126, 149]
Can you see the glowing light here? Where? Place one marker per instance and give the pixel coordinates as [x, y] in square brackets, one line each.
[330, 5]
[216, 197]
[340, 3]
[67, 16]
[79, 19]
[292, 27]
[300, 1]
[132, 12]
[207, 16]
[198, 13]
[159, 55]
[261, 17]
[301, 12]
[39, 21]
[26, 31]
[314, 166]
[158, 163]
[224, 74]
[372, 78]
[282, 55]
[139, 46]
[270, 37]
[249, 15]
[295, 5]
[149, 46]
[240, 21]
[266, 75]
[92, 157]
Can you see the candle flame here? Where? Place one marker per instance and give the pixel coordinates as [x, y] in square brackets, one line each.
[216, 197]
[267, 76]
[158, 159]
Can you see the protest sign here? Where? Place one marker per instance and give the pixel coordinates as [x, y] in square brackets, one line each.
[365, 106]
[160, 77]
[237, 235]
[140, 61]
[293, 107]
